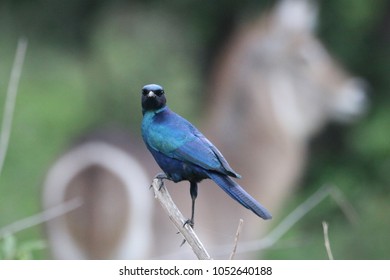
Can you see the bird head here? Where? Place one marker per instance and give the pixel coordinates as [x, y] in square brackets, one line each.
[153, 97]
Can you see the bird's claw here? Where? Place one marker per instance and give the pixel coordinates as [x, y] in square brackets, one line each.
[160, 177]
[183, 242]
[161, 182]
[189, 222]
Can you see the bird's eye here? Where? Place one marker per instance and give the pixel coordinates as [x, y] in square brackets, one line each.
[159, 92]
[144, 92]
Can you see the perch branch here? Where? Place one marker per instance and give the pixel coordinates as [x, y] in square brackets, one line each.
[177, 218]
[10, 99]
[326, 240]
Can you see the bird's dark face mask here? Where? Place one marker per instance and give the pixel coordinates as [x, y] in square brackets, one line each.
[153, 98]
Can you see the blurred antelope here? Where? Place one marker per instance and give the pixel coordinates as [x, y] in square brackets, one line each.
[274, 87]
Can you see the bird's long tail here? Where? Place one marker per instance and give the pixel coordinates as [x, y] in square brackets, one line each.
[236, 192]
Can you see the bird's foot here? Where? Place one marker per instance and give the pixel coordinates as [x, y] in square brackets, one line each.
[160, 177]
[189, 222]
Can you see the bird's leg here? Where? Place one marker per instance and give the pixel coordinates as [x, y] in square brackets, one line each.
[194, 194]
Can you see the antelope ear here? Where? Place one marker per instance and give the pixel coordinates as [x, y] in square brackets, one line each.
[296, 15]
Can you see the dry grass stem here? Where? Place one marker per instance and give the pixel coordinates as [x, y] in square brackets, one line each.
[326, 239]
[42, 217]
[11, 98]
[236, 238]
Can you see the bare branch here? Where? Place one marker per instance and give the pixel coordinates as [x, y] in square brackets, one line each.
[162, 195]
[326, 238]
[10, 99]
[236, 238]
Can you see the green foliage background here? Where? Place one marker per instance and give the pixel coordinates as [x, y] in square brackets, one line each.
[87, 60]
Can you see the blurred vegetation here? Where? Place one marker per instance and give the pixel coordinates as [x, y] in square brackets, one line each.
[10, 249]
[87, 60]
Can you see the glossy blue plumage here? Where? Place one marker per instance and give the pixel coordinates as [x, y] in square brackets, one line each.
[170, 137]
[183, 153]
